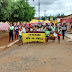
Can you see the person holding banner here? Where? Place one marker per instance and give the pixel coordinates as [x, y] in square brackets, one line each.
[36, 27]
[39, 29]
[47, 35]
[44, 29]
[31, 29]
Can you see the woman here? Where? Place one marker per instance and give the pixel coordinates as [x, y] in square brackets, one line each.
[11, 32]
[53, 28]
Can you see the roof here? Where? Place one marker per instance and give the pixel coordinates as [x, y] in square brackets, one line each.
[68, 16]
[65, 16]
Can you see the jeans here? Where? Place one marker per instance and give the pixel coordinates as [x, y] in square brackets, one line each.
[10, 35]
[20, 38]
[16, 34]
[63, 33]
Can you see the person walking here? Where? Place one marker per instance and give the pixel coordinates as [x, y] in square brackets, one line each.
[11, 32]
[64, 28]
[59, 33]
[16, 28]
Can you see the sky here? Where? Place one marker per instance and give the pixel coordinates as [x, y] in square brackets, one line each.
[52, 7]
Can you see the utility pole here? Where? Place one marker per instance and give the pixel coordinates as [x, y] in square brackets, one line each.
[38, 8]
[45, 13]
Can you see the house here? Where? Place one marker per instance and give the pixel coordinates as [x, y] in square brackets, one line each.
[68, 20]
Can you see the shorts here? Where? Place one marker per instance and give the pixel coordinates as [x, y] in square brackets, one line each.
[59, 34]
[20, 38]
[47, 36]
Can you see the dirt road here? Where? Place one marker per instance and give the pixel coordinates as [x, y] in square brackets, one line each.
[37, 57]
[4, 39]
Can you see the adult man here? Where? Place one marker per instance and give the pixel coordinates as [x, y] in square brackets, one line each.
[64, 28]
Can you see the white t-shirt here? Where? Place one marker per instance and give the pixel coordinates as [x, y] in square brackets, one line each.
[63, 27]
[31, 29]
[59, 30]
[20, 33]
[38, 29]
[23, 29]
[16, 27]
[53, 29]
[11, 28]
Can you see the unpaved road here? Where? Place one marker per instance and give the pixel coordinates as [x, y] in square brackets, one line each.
[37, 57]
[4, 39]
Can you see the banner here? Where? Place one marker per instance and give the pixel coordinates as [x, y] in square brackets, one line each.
[51, 35]
[30, 37]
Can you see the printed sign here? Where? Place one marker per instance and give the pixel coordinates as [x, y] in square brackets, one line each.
[30, 37]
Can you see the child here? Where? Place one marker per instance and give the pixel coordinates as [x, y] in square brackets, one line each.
[39, 29]
[20, 36]
[59, 34]
[47, 34]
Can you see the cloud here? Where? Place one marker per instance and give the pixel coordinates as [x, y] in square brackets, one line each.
[53, 7]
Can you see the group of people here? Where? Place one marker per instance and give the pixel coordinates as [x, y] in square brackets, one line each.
[21, 28]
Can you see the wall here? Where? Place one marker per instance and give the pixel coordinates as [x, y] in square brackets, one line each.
[4, 26]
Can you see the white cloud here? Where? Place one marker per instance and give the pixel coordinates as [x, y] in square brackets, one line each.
[53, 7]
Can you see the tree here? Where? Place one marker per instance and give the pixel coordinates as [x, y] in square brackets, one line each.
[54, 17]
[5, 9]
[21, 12]
[16, 11]
[60, 15]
